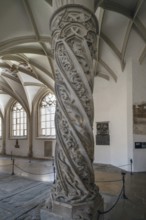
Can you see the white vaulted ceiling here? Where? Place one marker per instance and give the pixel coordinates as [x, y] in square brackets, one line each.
[26, 63]
[26, 60]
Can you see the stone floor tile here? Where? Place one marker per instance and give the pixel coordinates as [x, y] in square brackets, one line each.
[22, 195]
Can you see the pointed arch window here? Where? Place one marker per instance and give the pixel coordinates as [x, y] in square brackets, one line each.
[47, 115]
[19, 121]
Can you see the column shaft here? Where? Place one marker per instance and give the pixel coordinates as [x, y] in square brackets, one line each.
[74, 32]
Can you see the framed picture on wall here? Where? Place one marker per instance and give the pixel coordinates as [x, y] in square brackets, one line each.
[102, 133]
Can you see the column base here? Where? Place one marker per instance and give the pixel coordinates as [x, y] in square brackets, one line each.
[46, 215]
[81, 211]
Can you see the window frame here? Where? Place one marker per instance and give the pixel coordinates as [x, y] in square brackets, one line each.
[39, 133]
[12, 136]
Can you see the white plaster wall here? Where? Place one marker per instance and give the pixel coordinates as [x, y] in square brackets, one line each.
[139, 96]
[110, 102]
[22, 151]
[129, 111]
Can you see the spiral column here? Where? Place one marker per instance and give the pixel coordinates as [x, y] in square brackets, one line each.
[74, 30]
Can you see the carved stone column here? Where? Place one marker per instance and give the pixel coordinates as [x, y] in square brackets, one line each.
[75, 195]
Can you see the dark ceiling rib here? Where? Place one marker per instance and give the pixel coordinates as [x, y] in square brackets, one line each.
[35, 28]
[22, 40]
[6, 88]
[140, 28]
[128, 31]
[97, 3]
[100, 23]
[4, 65]
[33, 84]
[133, 22]
[125, 43]
[11, 77]
[49, 1]
[114, 6]
[102, 75]
[143, 55]
[48, 53]
[31, 62]
[47, 83]
[26, 71]
[23, 49]
[29, 12]
[35, 64]
[110, 71]
[111, 45]
[14, 57]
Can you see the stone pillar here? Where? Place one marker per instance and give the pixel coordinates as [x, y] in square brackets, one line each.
[75, 195]
[30, 135]
[3, 137]
[3, 152]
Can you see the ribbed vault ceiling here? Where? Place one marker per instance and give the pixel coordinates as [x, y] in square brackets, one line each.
[26, 60]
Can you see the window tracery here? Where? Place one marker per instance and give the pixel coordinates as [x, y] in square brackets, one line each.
[19, 120]
[47, 114]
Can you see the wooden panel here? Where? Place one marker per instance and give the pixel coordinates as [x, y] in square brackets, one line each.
[48, 148]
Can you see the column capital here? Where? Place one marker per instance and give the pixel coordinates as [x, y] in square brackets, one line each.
[70, 17]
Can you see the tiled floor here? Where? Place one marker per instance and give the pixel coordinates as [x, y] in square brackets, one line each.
[132, 208]
[34, 169]
[17, 192]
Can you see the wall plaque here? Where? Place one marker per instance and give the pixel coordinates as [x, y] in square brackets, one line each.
[140, 145]
[102, 133]
[139, 119]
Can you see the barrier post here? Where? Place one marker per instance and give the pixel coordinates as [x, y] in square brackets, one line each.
[54, 171]
[54, 174]
[123, 179]
[131, 162]
[13, 163]
[11, 155]
[29, 159]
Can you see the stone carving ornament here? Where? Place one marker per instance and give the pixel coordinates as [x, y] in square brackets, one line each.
[74, 31]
